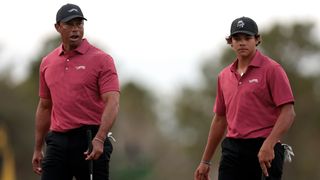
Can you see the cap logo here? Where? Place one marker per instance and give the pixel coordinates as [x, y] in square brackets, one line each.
[71, 10]
[240, 24]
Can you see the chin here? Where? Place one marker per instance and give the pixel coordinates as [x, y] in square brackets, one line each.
[243, 53]
[75, 43]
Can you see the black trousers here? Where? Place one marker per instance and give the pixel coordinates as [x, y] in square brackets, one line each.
[64, 157]
[239, 160]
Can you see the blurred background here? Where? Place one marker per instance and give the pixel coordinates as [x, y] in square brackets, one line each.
[168, 55]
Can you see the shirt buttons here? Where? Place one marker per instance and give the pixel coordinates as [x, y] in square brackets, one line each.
[240, 83]
[67, 63]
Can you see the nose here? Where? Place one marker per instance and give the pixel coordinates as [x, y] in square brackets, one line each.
[242, 41]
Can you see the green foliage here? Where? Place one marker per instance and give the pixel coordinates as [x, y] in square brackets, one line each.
[136, 172]
[142, 151]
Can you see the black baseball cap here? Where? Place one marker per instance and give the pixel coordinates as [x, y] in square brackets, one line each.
[244, 25]
[68, 12]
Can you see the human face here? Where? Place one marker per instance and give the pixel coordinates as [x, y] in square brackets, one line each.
[244, 45]
[71, 33]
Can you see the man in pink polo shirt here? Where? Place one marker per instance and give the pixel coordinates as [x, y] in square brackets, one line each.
[254, 105]
[79, 97]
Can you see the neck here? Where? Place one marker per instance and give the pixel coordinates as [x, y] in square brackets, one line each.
[68, 48]
[243, 63]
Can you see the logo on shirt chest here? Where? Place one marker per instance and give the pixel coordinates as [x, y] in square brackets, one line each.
[80, 67]
[254, 80]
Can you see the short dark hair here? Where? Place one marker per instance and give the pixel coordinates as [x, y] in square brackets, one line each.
[257, 36]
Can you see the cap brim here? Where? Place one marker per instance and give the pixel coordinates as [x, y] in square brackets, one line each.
[243, 32]
[66, 19]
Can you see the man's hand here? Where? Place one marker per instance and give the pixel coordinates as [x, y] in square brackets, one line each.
[265, 156]
[36, 162]
[97, 150]
[202, 172]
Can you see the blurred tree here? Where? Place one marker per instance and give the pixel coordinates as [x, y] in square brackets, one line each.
[17, 109]
[7, 167]
[16, 118]
[292, 46]
[135, 132]
[141, 152]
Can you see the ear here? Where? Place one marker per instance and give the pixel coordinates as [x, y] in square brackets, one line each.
[258, 39]
[57, 27]
[229, 40]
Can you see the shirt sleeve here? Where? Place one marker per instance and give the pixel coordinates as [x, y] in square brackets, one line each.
[44, 91]
[219, 105]
[108, 79]
[279, 86]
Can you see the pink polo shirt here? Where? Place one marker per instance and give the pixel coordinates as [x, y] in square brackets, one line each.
[251, 102]
[75, 82]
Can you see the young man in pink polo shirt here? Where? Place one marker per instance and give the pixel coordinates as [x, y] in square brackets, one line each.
[254, 105]
[79, 97]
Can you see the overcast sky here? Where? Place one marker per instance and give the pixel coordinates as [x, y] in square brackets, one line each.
[159, 43]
